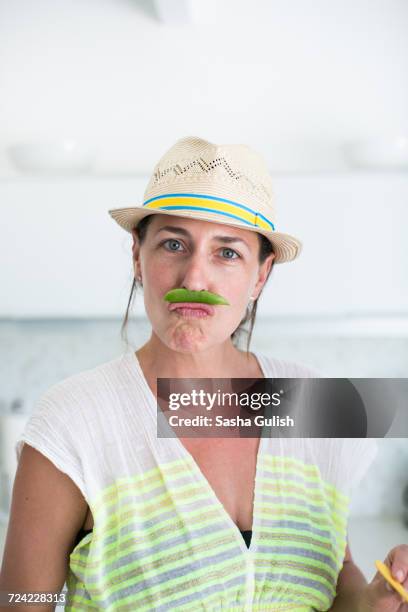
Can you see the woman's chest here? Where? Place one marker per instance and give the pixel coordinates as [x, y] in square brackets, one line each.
[229, 466]
[169, 531]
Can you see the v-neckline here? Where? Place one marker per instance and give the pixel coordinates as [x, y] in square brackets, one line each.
[247, 550]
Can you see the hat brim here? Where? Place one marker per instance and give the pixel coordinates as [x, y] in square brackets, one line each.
[286, 247]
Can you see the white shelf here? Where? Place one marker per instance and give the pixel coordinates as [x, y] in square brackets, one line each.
[312, 326]
[126, 176]
[347, 325]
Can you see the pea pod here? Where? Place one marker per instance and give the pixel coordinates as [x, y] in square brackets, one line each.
[204, 297]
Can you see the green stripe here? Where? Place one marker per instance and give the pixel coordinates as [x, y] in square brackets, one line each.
[293, 465]
[172, 467]
[312, 545]
[304, 512]
[199, 518]
[265, 563]
[303, 591]
[288, 471]
[299, 572]
[147, 509]
[281, 486]
[232, 592]
[204, 575]
[218, 542]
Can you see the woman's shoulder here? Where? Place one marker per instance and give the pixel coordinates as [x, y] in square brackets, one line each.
[77, 420]
[80, 404]
[94, 386]
[344, 461]
[284, 368]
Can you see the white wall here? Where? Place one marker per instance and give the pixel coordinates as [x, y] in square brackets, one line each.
[63, 255]
[294, 79]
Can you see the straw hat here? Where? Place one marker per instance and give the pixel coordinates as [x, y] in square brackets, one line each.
[227, 184]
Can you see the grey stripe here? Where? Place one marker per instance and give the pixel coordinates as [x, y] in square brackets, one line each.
[300, 602]
[175, 515]
[159, 489]
[297, 525]
[295, 550]
[199, 594]
[342, 515]
[161, 578]
[313, 584]
[79, 592]
[302, 479]
[187, 539]
[293, 500]
[290, 477]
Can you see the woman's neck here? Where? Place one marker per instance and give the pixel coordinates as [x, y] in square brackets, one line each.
[221, 361]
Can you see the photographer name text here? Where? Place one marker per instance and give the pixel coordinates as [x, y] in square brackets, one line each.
[220, 421]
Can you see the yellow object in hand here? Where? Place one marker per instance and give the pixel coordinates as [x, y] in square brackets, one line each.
[385, 571]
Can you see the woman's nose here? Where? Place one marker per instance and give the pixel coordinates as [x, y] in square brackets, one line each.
[195, 275]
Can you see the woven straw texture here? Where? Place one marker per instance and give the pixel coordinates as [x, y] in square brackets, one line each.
[227, 184]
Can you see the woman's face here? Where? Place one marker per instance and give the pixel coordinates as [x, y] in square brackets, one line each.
[197, 255]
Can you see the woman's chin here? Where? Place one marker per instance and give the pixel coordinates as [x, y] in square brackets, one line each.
[188, 336]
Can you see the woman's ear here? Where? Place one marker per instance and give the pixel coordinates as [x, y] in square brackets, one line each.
[136, 243]
[269, 262]
[264, 271]
[136, 254]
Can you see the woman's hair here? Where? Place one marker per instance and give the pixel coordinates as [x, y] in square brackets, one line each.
[265, 249]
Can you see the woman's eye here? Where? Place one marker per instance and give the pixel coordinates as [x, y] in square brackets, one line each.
[171, 241]
[231, 251]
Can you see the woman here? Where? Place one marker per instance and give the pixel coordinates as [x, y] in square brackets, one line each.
[167, 522]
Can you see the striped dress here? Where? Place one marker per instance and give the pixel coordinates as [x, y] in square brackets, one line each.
[161, 539]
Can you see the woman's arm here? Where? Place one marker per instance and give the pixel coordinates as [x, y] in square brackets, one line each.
[350, 584]
[354, 594]
[47, 510]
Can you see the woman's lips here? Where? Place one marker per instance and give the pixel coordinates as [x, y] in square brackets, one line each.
[193, 306]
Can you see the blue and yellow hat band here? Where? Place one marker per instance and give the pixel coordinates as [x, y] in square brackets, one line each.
[212, 204]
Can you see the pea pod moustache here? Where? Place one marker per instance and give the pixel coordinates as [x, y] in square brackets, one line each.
[204, 297]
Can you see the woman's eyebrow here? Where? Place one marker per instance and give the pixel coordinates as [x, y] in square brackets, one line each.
[184, 232]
